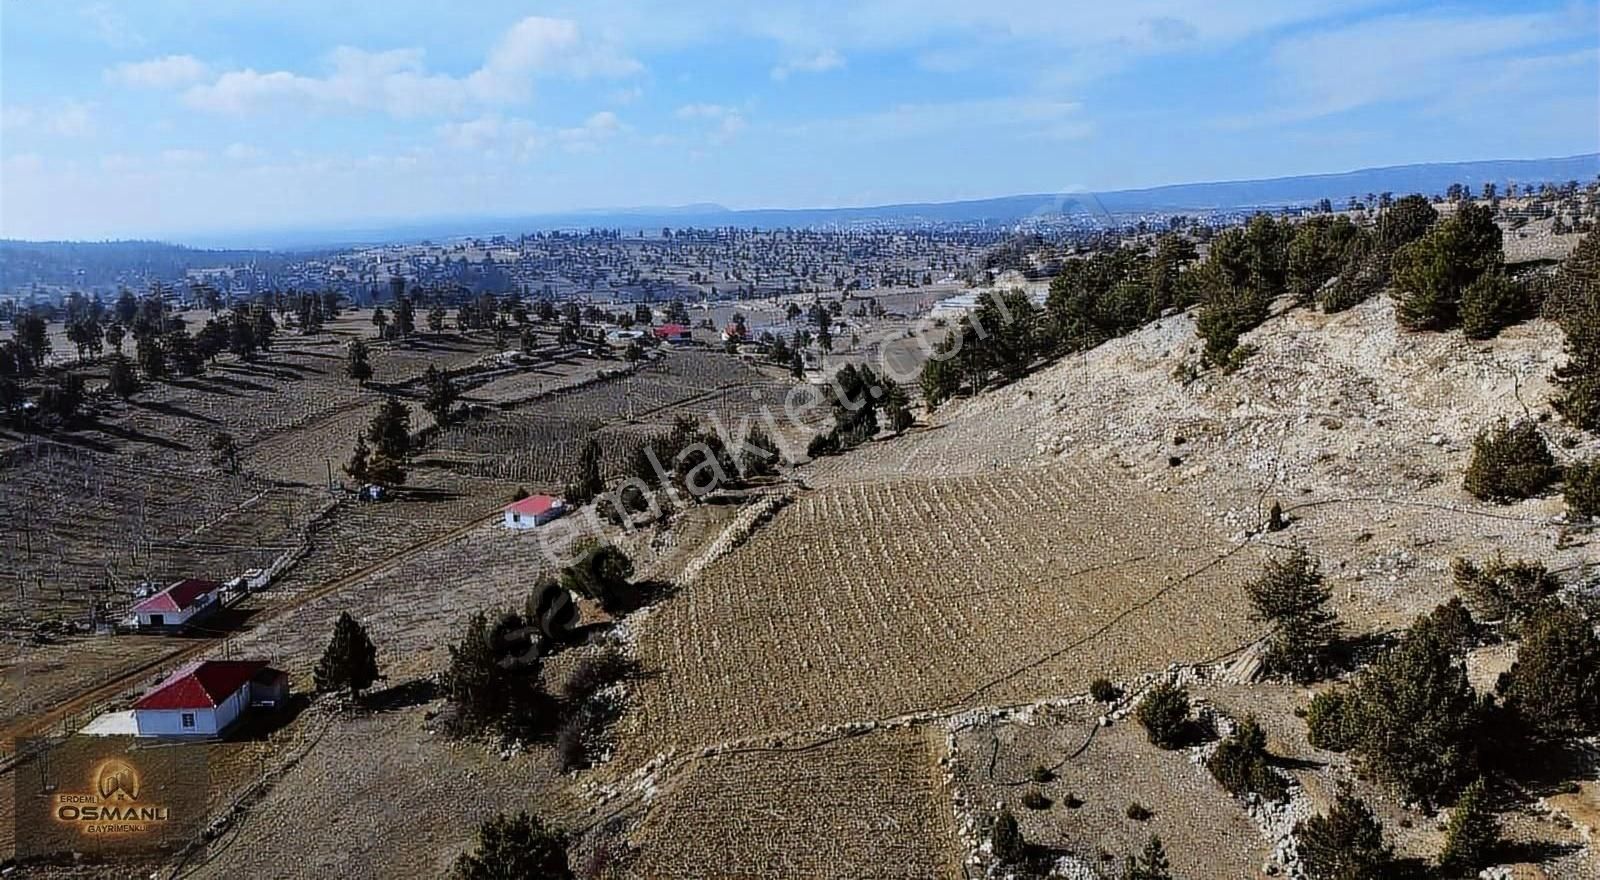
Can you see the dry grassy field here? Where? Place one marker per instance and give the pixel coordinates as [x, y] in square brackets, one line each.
[880, 797]
[870, 600]
[1098, 773]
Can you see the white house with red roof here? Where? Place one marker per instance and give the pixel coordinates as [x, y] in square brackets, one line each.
[677, 334]
[206, 697]
[178, 604]
[533, 511]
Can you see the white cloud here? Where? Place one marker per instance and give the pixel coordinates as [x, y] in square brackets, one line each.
[821, 62]
[1032, 117]
[242, 152]
[703, 111]
[183, 156]
[69, 119]
[626, 96]
[538, 45]
[728, 121]
[1405, 58]
[495, 135]
[397, 81]
[600, 127]
[167, 72]
[110, 27]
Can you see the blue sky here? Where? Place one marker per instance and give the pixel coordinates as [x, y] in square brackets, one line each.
[165, 118]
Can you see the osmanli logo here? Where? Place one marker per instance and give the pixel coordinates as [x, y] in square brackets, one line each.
[113, 806]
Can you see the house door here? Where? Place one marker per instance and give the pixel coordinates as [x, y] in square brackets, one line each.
[158, 620]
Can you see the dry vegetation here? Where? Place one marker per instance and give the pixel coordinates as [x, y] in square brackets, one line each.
[845, 684]
[880, 797]
[933, 593]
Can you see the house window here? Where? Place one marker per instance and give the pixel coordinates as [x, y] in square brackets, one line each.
[516, 517]
[188, 719]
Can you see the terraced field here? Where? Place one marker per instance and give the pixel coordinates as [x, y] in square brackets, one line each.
[538, 443]
[868, 600]
[879, 797]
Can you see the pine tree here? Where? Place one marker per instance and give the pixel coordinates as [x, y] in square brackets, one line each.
[519, 847]
[1414, 718]
[1499, 590]
[1240, 763]
[224, 452]
[350, 661]
[1554, 685]
[493, 680]
[1164, 712]
[1152, 864]
[1292, 597]
[1005, 840]
[1510, 462]
[440, 394]
[359, 458]
[602, 573]
[1583, 488]
[1576, 307]
[121, 378]
[1346, 844]
[589, 481]
[356, 364]
[1471, 836]
[390, 430]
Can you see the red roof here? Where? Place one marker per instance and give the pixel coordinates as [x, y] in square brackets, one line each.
[202, 685]
[667, 331]
[534, 505]
[178, 597]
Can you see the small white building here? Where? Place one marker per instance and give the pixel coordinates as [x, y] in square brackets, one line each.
[206, 697]
[179, 604]
[533, 511]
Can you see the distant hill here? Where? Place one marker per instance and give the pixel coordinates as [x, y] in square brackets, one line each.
[1431, 178]
[1237, 195]
[95, 264]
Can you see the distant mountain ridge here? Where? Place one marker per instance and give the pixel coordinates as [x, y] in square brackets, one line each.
[1236, 195]
[1430, 178]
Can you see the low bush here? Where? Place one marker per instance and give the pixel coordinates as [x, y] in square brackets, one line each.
[1501, 590]
[1509, 462]
[1164, 712]
[1328, 721]
[1554, 685]
[596, 672]
[1490, 304]
[1240, 763]
[1035, 799]
[1345, 844]
[1583, 488]
[515, 846]
[1103, 691]
[1139, 812]
[1471, 836]
[1005, 838]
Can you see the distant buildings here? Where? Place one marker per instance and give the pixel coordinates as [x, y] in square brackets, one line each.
[207, 697]
[178, 605]
[533, 511]
[677, 334]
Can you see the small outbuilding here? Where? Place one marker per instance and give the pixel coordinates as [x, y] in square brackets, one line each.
[207, 697]
[179, 604]
[676, 334]
[533, 511]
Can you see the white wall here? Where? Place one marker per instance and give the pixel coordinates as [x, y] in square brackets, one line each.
[179, 618]
[207, 722]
